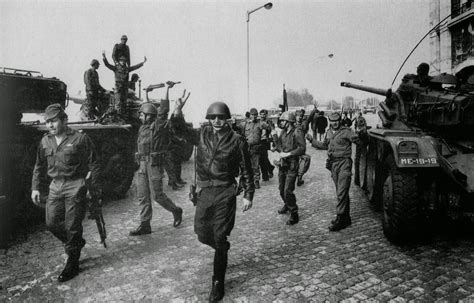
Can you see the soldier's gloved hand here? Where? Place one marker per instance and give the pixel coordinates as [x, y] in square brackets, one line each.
[247, 204]
[170, 84]
[309, 137]
[35, 197]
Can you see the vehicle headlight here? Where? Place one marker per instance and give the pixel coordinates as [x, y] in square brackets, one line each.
[408, 147]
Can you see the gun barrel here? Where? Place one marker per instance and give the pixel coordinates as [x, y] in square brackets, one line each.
[374, 90]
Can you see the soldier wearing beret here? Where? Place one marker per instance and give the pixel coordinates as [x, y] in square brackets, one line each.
[339, 141]
[90, 107]
[265, 166]
[66, 156]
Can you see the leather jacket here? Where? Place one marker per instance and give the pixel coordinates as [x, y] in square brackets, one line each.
[221, 159]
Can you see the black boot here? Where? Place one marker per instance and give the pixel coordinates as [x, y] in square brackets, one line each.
[71, 269]
[341, 222]
[300, 181]
[220, 266]
[178, 217]
[283, 210]
[143, 229]
[294, 219]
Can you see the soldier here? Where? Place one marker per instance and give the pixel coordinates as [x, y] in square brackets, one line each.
[265, 166]
[221, 154]
[121, 70]
[253, 130]
[360, 126]
[66, 156]
[133, 81]
[303, 125]
[339, 141]
[121, 49]
[291, 145]
[153, 139]
[346, 121]
[93, 91]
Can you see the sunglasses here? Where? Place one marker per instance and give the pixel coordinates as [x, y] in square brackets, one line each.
[213, 117]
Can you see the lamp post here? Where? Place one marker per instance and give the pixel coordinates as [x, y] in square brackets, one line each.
[269, 5]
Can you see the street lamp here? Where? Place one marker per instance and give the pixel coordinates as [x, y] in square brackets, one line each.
[269, 5]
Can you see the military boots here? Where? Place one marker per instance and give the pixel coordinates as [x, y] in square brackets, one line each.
[217, 291]
[143, 229]
[71, 269]
[283, 210]
[341, 222]
[294, 219]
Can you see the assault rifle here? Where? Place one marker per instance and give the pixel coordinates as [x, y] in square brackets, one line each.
[94, 204]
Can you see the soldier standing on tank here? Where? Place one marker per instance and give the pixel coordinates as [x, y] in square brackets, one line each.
[121, 49]
[291, 145]
[93, 91]
[66, 156]
[121, 71]
[253, 130]
[265, 166]
[221, 154]
[153, 135]
[133, 82]
[339, 141]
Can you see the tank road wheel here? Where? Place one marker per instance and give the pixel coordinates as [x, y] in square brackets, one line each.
[118, 173]
[400, 198]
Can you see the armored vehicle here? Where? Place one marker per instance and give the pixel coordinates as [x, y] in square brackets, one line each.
[24, 91]
[419, 163]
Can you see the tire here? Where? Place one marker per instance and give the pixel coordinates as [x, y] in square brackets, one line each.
[400, 203]
[361, 166]
[118, 176]
[374, 177]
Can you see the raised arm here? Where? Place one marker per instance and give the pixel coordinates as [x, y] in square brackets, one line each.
[135, 67]
[106, 63]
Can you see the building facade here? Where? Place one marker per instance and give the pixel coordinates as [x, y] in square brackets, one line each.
[451, 44]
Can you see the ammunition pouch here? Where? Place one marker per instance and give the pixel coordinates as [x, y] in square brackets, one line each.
[290, 163]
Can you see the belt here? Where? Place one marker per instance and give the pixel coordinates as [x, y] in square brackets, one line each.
[69, 178]
[143, 158]
[213, 183]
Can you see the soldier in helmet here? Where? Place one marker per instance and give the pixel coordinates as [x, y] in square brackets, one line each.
[339, 141]
[303, 125]
[291, 145]
[121, 49]
[221, 155]
[153, 135]
[66, 156]
[91, 106]
[253, 130]
[121, 71]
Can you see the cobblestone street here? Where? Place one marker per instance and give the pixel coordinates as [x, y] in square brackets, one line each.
[268, 260]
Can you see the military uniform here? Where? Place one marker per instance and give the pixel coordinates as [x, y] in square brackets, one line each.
[339, 162]
[67, 164]
[121, 83]
[220, 157]
[93, 90]
[265, 166]
[153, 141]
[121, 49]
[252, 131]
[289, 141]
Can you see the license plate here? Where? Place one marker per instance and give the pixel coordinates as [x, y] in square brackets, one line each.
[418, 161]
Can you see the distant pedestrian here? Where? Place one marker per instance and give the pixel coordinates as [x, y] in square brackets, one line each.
[91, 107]
[66, 156]
[320, 125]
[346, 121]
[291, 145]
[121, 71]
[221, 155]
[121, 49]
[152, 143]
[339, 141]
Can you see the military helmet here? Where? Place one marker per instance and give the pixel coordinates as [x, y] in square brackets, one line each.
[124, 37]
[288, 116]
[218, 109]
[94, 62]
[148, 108]
[300, 112]
[264, 111]
[335, 116]
[253, 111]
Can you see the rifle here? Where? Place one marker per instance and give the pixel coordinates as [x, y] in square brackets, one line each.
[94, 204]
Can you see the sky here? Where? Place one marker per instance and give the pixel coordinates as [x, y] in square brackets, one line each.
[203, 44]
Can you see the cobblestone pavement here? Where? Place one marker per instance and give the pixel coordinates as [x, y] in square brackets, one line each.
[268, 260]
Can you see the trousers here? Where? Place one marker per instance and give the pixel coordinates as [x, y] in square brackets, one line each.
[341, 172]
[286, 179]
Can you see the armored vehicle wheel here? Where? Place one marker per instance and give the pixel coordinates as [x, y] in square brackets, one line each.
[374, 177]
[119, 172]
[360, 164]
[400, 213]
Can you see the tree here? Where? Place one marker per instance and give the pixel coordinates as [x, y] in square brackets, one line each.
[302, 98]
[348, 102]
[333, 105]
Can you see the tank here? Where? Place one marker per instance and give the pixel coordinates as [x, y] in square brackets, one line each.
[418, 164]
[24, 91]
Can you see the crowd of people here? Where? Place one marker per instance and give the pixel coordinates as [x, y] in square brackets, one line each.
[231, 157]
